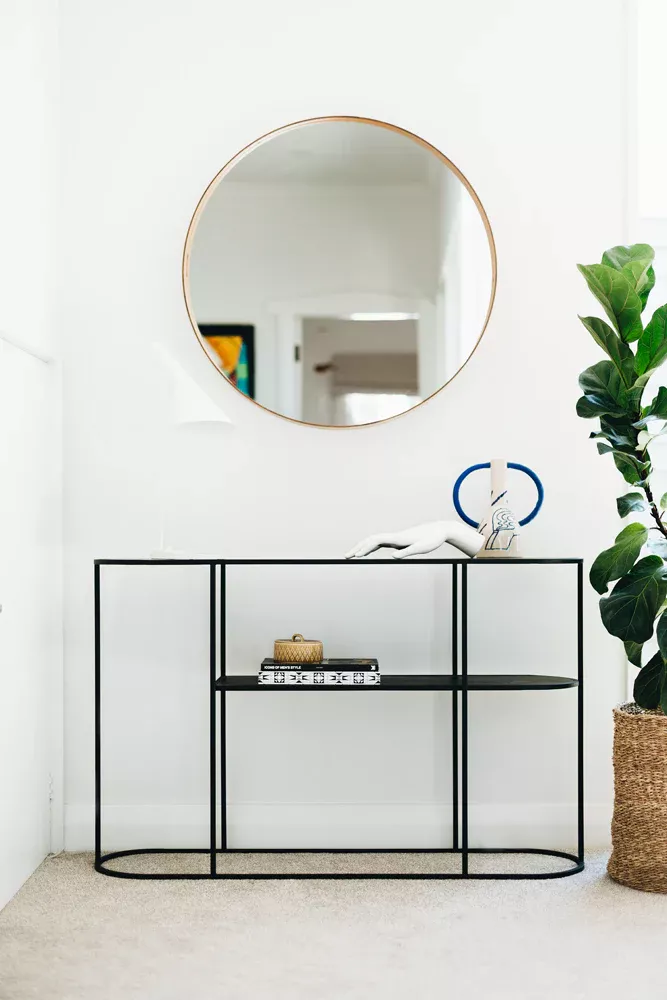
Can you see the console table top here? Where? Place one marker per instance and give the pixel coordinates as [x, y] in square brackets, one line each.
[338, 562]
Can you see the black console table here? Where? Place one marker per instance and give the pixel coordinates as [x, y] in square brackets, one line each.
[460, 683]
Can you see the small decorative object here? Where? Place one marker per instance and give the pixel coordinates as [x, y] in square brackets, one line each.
[337, 671]
[297, 650]
[500, 527]
[421, 540]
[612, 391]
[497, 538]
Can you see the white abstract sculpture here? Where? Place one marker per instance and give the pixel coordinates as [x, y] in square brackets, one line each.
[496, 535]
[420, 540]
[500, 526]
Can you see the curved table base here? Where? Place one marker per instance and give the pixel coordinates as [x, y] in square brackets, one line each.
[577, 866]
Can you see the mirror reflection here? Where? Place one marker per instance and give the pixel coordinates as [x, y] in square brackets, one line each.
[339, 271]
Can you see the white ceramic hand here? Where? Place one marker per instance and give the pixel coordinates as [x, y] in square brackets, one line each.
[421, 539]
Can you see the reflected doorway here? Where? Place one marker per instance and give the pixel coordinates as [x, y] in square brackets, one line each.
[358, 369]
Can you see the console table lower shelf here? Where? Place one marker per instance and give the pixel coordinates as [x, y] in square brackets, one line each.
[460, 684]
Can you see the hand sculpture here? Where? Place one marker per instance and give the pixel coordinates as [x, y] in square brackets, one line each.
[420, 540]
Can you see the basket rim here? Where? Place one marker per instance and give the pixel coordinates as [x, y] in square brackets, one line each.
[640, 716]
[298, 642]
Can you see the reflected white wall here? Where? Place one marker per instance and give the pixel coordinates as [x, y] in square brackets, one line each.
[261, 244]
[465, 279]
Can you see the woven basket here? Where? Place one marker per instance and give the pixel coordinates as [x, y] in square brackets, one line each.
[639, 826]
[297, 650]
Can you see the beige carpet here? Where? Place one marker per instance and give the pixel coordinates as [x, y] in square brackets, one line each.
[71, 934]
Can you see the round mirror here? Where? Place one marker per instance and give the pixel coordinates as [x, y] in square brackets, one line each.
[339, 271]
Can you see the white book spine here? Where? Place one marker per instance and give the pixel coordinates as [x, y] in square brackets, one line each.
[314, 677]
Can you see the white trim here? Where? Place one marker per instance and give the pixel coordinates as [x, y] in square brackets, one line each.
[337, 824]
[341, 304]
[56, 691]
[650, 230]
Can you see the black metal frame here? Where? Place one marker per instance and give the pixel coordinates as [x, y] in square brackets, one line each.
[459, 683]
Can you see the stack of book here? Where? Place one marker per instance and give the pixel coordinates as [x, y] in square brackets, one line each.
[332, 672]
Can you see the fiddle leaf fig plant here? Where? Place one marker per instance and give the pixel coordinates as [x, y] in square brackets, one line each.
[612, 393]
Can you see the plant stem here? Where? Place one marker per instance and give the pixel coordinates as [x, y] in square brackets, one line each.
[646, 486]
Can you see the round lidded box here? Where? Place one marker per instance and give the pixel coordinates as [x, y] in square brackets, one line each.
[297, 650]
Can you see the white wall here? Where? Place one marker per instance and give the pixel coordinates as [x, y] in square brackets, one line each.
[646, 151]
[464, 283]
[29, 121]
[30, 503]
[157, 96]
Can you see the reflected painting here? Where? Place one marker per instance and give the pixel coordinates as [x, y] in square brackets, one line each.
[232, 349]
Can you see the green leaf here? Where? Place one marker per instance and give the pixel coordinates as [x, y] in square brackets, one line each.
[635, 393]
[621, 256]
[656, 410]
[661, 634]
[635, 262]
[649, 682]
[620, 558]
[604, 389]
[647, 438]
[633, 651]
[658, 405]
[652, 346]
[628, 612]
[633, 471]
[587, 409]
[644, 291]
[620, 433]
[617, 349]
[643, 279]
[657, 544]
[630, 502]
[663, 501]
[618, 298]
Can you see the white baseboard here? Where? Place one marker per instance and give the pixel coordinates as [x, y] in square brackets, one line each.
[338, 824]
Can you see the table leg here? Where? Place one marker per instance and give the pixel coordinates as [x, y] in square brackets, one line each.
[580, 712]
[98, 722]
[464, 719]
[455, 708]
[212, 707]
[223, 708]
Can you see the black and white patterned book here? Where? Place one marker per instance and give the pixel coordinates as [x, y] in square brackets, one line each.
[367, 666]
[362, 678]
